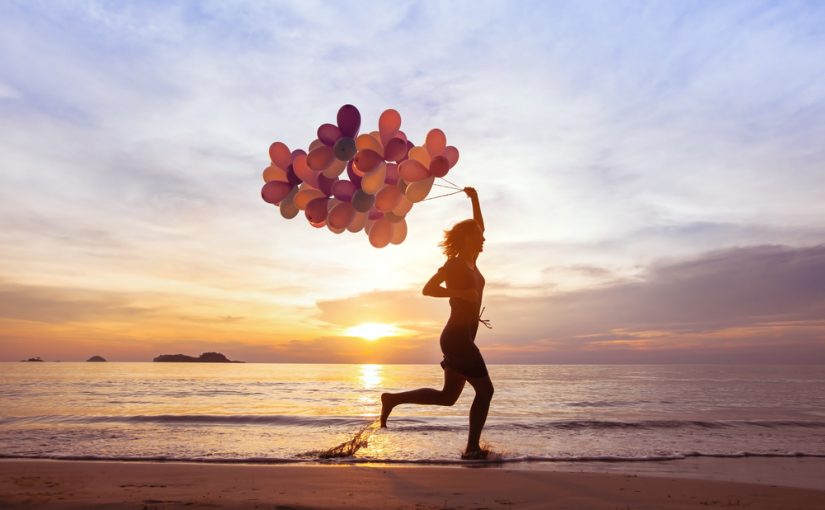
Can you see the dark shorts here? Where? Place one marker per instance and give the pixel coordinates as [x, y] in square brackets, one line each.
[461, 353]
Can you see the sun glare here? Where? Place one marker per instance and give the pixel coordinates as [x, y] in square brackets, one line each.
[372, 331]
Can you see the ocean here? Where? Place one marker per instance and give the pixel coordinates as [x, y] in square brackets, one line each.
[288, 413]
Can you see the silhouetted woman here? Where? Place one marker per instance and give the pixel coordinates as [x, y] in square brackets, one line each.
[462, 359]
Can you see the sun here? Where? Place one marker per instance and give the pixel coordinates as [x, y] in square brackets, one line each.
[372, 331]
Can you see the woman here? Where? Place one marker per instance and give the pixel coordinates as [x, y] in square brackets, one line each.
[462, 359]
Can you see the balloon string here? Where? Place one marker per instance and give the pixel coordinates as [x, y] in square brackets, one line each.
[451, 183]
[448, 187]
[442, 196]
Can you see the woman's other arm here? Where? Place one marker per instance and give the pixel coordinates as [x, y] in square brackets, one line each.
[433, 288]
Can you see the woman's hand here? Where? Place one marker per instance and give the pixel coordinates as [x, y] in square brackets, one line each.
[471, 192]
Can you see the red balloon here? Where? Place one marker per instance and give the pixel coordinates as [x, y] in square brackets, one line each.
[316, 210]
[329, 134]
[436, 142]
[439, 166]
[279, 154]
[411, 170]
[367, 160]
[349, 120]
[396, 149]
[275, 191]
[392, 174]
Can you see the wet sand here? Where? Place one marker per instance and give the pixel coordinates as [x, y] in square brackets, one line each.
[152, 485]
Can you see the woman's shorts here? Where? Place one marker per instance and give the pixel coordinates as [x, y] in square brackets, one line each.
[467, 361]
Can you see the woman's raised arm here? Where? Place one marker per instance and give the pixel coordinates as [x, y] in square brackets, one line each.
[471, 192]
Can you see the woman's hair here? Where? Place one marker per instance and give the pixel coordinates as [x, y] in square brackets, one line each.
[454, 238]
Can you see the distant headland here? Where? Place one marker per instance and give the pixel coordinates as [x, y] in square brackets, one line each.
[32, 359]
[207, 357]
[96, 358]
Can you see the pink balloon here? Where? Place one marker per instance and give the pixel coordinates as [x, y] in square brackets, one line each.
[367, 160]
[275, 191]
[320, 158]
[412, 171]
[439, 166]
[387, 198]
[349, 120]
[395, 149]
[279, 154]
[329, 134]
[316, 210]
[451, 153]
[436, 142]
[343, 190]
[381, 233]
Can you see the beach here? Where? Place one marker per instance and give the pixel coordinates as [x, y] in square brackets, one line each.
[150, 485]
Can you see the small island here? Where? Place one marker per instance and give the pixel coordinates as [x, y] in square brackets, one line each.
[32, 359]
[96, 358]
[206, 357]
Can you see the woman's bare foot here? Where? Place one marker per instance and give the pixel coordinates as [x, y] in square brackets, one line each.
[386, 408]
[475, 454]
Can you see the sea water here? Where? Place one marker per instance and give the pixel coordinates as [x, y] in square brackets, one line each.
[282, 413]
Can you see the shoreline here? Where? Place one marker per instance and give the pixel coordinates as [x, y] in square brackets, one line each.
[26, 483]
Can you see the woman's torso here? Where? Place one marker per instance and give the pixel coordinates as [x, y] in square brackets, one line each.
[461, 276]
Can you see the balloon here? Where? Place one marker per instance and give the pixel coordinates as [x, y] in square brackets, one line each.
[274, 173]
[387, 198]
[358, 222]
[303, 171]
[418, 191]
[305, 195]
[367, 160]
[349, 120]
[361, 201]
[392, 174]
[329, 134]
[345, 148]
[275, 191]
[279, 154]
[292, 177]
[325, 184]
[316, 210]
[367, 141]
[451, 153]
[374, 214]
[343, 189]
[392, 217]
[436, 142]
[320, 158]
[319, 224]
[315, 144]
[381, 233]
[399, 232]
[341, 215]
[335, 168]
[389, 122]
[354, 177]
[412, 171]
[287, 205]
[374, 180]
[403, 207]
[395, 150]
[335, 230]
[421, 155]
[439, 166]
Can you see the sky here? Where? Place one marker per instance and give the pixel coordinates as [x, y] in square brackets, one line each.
[651, 176]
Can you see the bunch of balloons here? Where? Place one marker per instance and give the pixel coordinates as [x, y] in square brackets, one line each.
[385, 175]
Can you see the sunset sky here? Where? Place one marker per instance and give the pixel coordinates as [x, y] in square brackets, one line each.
[652, 177]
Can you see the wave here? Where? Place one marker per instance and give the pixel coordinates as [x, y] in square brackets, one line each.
[413, 424]
[304, 459]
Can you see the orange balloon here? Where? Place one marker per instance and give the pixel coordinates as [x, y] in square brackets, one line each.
[411, 170]
[320, 158]
[303, 171]
[403, 207]
[340, 216]
[399, 232]
[274, 173]
[367, 160]
[421, 155]
[335, 168]
[387, 198]
[380, 233]
[389, 121]
[305, 195]
[367, 141]
[418, 191]
[315, 144]
[358, 222]
[374, 180]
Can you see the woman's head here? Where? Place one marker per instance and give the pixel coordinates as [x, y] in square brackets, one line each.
[464, 237]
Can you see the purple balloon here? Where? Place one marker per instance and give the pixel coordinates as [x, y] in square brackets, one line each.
[392, 174]
[375, 214]
[275, 191]
[349, 120]
[396, 149]
[343, 190]
[356, 179]
[329, 134]
[293, 178]
[316, 210]
[325, 184]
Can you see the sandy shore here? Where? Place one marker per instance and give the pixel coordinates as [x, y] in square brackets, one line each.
[78, 484]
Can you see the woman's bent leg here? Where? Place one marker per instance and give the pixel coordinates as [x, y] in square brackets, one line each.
[453, 385]
[478, 412]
